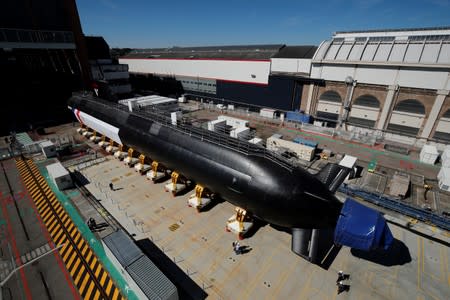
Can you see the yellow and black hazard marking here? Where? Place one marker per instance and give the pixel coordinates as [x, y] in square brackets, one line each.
[174, 227]
[88, 274]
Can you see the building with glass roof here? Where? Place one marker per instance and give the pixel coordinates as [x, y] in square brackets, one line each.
[394, 81]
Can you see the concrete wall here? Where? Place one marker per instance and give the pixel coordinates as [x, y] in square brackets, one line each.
[232, 70]
[426, 97]
[290, 65]
[413, 77]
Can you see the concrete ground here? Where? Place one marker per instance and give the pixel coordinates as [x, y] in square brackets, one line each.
[416, 267]
[197, 243]
[23, 237]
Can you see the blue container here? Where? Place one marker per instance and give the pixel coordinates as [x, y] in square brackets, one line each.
[305, 118]
[305, 142]
[296, 116]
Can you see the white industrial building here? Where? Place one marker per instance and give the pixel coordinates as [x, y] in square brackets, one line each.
[271, 76]
[392, 83]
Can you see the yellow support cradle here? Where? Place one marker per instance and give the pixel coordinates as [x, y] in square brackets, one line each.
[174, 176]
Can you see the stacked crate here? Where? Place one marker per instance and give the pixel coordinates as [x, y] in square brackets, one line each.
[444, 173]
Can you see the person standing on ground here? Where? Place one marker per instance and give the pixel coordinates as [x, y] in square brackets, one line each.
[111, 186]
[340, 276]
[237, 248]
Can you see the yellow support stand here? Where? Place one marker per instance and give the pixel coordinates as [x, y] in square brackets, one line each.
[174, 177]
[155, 166]
[157, 172]
[81, 129]
[198, 192]
[239, 223]
[200, 198]
[240, 217]
[178, 183]
[141, 159]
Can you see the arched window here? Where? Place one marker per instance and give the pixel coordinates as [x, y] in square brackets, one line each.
[410, 106]
[367, 100]
[446, 114]
[331, 96]
[407, 124]
[442, 132]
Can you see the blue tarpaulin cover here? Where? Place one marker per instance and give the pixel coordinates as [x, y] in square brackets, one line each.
[297, 117]
[361, 227]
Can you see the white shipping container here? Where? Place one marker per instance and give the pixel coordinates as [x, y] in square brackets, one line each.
[348, 161]
[240, 133]
[217, 125]
[48, 149]
[445, 157]
[446, 163]
[233, 122]
[440, 175]
[429, 154]
[60, 176]
[175, 116]
[444, 181]
[302, 151]
[267, 113]
[256, 140]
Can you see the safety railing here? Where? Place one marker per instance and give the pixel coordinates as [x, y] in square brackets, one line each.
[397, 206]
[242, 146]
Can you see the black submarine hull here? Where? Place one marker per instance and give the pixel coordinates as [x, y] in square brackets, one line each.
[287, 197]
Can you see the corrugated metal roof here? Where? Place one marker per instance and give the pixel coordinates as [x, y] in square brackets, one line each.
[153, 283]
[429, 52]
[123, 248]
[417, 46]
[296, 52]
[151, 280]
[57, 170]
[214, 52]
[395, 30]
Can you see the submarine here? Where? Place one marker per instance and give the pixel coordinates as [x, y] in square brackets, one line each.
[246, 175]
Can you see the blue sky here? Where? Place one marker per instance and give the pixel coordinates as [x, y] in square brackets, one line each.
[147, 24]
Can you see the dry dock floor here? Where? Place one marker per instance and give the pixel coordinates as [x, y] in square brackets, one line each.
[199, 245]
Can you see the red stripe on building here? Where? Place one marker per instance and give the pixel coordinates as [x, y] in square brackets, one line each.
[212, 59]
